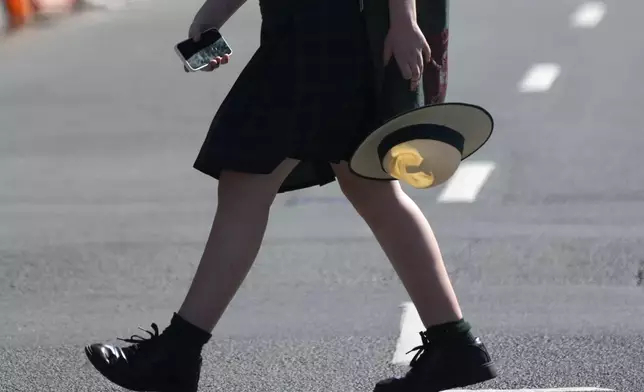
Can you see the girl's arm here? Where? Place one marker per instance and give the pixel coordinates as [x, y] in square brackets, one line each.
[214, 13]
[406, 42]
[402, 12]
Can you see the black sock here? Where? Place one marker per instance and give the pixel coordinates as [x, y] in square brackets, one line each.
[449, 331]
[185, 335]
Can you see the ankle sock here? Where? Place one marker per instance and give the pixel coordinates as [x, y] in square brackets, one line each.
[186, 335]
[449, 331]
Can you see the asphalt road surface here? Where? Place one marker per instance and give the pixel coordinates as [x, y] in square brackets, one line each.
[102, 218]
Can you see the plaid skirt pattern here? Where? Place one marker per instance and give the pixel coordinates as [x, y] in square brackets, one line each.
[307, 94]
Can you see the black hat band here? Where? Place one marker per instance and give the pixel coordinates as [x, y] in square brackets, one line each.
[420, 131]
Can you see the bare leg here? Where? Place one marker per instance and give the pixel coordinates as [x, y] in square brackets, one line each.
[408, 241]
[172, 360]
[234, 241]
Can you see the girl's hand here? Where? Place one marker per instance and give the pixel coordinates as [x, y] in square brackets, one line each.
[407, 44]
[195, 34]
[213, 14]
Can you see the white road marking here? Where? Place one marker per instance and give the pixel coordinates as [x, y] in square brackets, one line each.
[588, 15]
[466, 183]
[539, 78]
[410, 327]
[117, 5]
[580, 389]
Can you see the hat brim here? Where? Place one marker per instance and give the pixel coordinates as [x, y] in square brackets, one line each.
[473, 122]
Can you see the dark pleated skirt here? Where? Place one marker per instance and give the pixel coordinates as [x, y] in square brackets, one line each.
[306, 94]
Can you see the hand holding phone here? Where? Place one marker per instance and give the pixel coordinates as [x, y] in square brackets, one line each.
[204, 51]
[213, 65]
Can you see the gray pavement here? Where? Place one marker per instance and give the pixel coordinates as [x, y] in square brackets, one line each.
[102, 218]
[4, 19]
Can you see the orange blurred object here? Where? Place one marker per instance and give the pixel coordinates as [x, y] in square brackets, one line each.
[20, 12]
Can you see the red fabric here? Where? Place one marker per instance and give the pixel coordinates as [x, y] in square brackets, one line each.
[435, 75]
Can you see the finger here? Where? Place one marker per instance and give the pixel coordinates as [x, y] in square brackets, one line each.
[427, 52]
[216, 62]
[208, 68]
[415, 71]
[420, 62]
[213, 65]
[225, 59]
[195, 36]
[417, 68]
[413, 85]
[405, 69]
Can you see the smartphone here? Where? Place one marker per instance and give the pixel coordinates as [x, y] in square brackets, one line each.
[197, 55]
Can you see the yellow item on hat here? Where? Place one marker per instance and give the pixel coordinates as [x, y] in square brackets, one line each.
[404, 157]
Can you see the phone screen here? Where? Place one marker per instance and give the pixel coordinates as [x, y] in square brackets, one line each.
[210, 45]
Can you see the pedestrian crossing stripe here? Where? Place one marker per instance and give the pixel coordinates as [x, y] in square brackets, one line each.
[411, 324]
[535, 390]
[463, 187]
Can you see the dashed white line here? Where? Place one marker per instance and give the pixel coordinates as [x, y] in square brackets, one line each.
[410, 327]
[588, 15]
[466, 183]
[581, 389]
[117, 5]
[539, 78]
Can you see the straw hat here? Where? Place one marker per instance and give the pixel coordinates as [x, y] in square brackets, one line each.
[423, 147]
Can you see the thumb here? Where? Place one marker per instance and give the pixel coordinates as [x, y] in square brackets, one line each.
[427, 52]
[195, 32]
[387, 52]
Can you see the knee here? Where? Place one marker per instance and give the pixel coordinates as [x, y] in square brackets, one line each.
[240, 193]
[246, 192]
[370, 197]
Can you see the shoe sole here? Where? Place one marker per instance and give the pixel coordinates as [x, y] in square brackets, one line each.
[481, 374]
[102, 369]
[484, 373]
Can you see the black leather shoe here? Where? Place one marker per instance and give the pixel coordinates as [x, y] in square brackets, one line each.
[439, 366]
[148, 364]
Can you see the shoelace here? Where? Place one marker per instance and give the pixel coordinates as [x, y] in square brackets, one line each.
[138, 341]
[420, 350]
